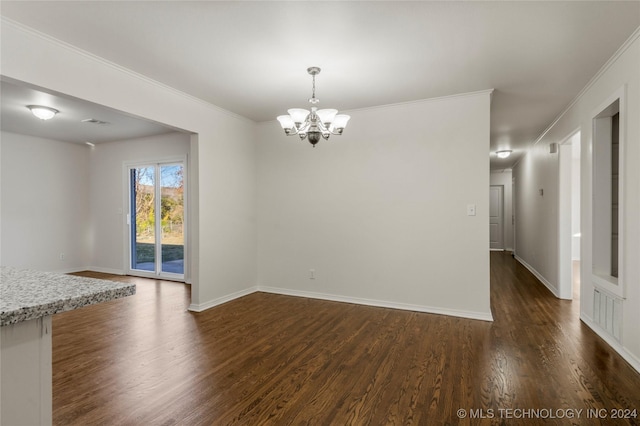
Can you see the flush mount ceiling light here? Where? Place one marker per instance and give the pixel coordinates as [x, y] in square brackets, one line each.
[315, 123]
[504, 153]
[43, 112]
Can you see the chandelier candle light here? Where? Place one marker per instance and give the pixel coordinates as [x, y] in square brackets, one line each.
[315, 123]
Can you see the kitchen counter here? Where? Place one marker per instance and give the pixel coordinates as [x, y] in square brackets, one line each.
[28, 299]
[27, 295]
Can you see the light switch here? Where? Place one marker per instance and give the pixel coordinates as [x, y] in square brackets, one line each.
[471, 209]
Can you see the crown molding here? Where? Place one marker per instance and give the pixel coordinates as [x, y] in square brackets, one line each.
[621, 50]
[416, 102]
[427, 100]
[102, 61]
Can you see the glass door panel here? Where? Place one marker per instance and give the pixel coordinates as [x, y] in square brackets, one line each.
[172, 218]
[143, 217]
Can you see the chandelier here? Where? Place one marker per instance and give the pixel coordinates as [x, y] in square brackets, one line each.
[315, 123]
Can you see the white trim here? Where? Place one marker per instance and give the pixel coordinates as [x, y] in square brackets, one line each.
[414, 102]
[496, 249]
[565, 214]
[613, 285]
[88, 268]
[632, 38]
[343, 299]
[166, 276]
[119, 272]
[120, 68]
[379, 303]
[427, 100]
[67, 270]
[610, 340]
[105, 270]
[594, 79]
[540, 278]
[221, 300]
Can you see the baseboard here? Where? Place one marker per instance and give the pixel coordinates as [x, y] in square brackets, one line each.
[540, 278]
[345, 299]
[220, 300]
[68, 270]
[496, 249]
[120, 272]
[105, 270]
[615, 345]
[379, 303]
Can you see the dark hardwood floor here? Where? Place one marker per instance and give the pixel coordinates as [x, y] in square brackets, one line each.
[271, 359]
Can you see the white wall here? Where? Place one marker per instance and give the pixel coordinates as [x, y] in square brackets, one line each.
[390, 210]
[44, 203]
[380, 212]
[108, 210]
[503, 178]
[537, 216]
[223, 152]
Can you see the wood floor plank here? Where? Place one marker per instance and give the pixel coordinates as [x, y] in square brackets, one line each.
[272, 359]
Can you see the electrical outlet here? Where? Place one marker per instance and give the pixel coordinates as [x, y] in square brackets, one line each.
[61, 256]
[312, 274]
[471, 209]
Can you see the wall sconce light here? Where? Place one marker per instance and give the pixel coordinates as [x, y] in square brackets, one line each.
[504, 153]
[43, 112]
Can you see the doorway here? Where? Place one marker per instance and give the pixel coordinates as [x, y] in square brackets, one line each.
[569, 221]
[156, 219]
[513, 216]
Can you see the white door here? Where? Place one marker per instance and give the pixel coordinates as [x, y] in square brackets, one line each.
[495, 217]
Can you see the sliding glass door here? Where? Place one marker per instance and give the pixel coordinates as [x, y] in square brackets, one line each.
[156, 220]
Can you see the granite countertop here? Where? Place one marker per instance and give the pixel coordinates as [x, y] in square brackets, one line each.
[26, 294]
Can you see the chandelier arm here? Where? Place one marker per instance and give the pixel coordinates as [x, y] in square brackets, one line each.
[295, 130]
[322, 127]
[304, 127]
[292, 132]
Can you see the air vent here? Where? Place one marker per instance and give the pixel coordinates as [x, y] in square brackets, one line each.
[607, 312]
[94, 121]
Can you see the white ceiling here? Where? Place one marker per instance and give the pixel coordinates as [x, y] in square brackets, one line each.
[251, 57]
[68, 124]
